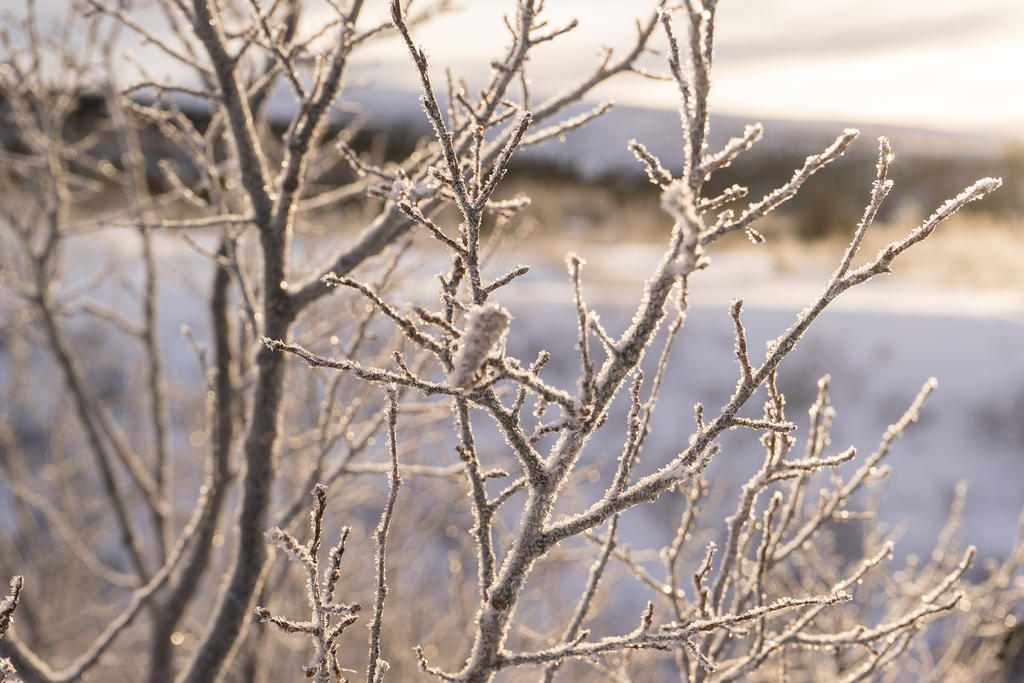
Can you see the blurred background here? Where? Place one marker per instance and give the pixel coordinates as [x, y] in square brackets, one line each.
[941, 79]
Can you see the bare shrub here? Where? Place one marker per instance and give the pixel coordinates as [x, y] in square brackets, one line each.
[122, 461]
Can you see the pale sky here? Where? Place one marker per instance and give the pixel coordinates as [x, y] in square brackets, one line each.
[945, 64]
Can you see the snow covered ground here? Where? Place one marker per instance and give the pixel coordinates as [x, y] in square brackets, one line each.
[879, 343]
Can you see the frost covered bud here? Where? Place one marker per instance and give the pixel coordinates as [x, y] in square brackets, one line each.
[398, 191]
[674, 198]
[486, 326]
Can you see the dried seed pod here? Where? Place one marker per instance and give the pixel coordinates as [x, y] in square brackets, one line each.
[486, 326]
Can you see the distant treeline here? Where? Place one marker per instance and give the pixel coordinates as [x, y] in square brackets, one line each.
[831, 201]
[834, 199]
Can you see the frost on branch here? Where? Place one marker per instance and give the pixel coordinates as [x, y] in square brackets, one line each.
[486, 327]
[775, 594]
[7, 608]
[328, 618]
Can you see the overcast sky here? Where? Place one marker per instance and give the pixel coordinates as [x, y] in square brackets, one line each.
[944, 64]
